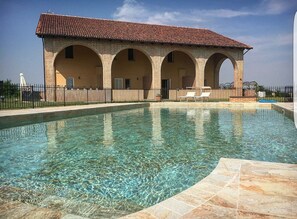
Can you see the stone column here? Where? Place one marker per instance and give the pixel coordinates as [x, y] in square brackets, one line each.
[156, 76]
[199, 72]
[238, 77]
[49, 68]
[107, 79]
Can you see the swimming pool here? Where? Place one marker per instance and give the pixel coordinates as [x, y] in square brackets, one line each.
[128, 160]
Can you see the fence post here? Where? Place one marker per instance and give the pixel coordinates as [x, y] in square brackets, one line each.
[87, 96]
[64, 96]
[104, 95]
[32, 95]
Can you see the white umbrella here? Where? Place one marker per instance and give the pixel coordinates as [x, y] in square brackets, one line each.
[22, 80]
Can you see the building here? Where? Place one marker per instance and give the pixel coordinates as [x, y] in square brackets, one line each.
[124, 57]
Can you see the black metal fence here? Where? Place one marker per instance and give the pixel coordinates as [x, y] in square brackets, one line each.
[15, 96]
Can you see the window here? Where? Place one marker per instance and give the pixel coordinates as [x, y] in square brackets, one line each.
[70, 82]
[69, 52]
[170, 57]
[127, 83]
[118, 83]
[130, 54]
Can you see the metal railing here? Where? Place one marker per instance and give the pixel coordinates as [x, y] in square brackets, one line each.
[14, 96]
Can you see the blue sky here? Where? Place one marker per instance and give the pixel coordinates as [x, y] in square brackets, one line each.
[267, 25]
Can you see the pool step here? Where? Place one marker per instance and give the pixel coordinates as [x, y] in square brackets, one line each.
[19, 201]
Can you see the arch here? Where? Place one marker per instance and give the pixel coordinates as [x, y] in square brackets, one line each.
[75, 44]
[213, 66]
[179, 50]
[133, 72]
[226, 72]
[178, 71]
[133, 47]
[85, 67]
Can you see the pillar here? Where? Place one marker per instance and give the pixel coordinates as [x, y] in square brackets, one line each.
[199, 72]
[156, 76]
[107, 79]
[49, 70]
[238, 77]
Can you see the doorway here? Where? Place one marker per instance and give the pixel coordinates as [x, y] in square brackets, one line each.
[165, 88]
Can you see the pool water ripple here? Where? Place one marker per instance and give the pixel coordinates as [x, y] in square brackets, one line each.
[132, 159]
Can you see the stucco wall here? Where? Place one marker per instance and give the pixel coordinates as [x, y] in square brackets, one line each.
[85, 67]
[136, 70]
[155, 53]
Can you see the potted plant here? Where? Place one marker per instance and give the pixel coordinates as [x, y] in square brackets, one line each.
[158, 97]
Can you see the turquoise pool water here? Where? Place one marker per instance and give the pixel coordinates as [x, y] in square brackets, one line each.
[125, 161]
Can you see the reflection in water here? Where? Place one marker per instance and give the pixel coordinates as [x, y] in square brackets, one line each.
[108, 133]
[132, 174]
[201, 117]
[52, 130]
[237, 123]
[156, 127]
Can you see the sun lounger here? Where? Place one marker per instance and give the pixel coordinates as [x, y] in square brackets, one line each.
[202, 96]
[188, 95]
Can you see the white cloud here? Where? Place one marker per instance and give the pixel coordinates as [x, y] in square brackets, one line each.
[135, 11]
[132, 10]
[277, 6]
[224, 13]
[267, 42]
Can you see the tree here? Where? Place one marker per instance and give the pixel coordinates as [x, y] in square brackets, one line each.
[8, 89]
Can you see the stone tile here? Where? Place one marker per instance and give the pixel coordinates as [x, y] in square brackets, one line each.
[72, 216]
[209, 187]
[269, 169]
[70, 206]
[15, 209]
[218, 179]
[140, 215]
[228, 198]
[177, 206]
[209, 211]
[189, 199]
[161, 212]
[229, 165]
[267, 204]
[252, 215]
[199, 194]
[54, 202]
[43, 213]
[269, 185]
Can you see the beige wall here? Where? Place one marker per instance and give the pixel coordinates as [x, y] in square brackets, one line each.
[150, 61]
[182, 68]
[137, 71]
[85, 68]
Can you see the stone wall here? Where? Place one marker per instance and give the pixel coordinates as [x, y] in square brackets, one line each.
[156, 53]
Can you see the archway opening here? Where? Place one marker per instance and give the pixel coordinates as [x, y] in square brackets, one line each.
[177, 72]
[131, 69]
[78, 66]
[226, 75]
[216, 73]
[131, 74]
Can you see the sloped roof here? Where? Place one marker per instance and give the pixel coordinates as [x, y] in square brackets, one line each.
[80, 27]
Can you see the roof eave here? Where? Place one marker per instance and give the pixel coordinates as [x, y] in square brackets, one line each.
[40, 35]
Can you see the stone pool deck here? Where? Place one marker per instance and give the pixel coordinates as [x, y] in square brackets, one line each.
[235, 188]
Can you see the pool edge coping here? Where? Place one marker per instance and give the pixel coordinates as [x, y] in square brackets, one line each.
[222, 181]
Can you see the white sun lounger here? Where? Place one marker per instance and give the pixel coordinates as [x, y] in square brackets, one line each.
[202, 96]
[188, 95]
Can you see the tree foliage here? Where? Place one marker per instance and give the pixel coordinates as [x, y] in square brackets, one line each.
[8, 89]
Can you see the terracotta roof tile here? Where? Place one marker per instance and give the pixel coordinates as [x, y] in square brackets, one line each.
[70, 26]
